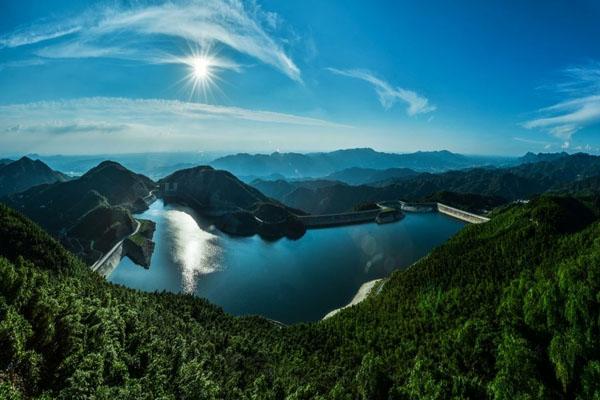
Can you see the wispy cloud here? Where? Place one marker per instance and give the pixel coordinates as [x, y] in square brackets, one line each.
[67, 127]
[125, 33]
[34, 34]
[580, 109]
[388, 95]
[97, 110]
[105, 124]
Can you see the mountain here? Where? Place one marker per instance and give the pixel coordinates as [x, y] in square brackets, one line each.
[24, 173]
[366, 176]
[214, 190]
[237, 208]
[296, 165]
[89, 214]
[513, 183]
[278, 189]
[154, 165]
[530, 157]
[584, 187]
[4, 161]
[506, 309]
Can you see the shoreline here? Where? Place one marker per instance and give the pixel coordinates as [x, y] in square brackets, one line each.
[362, 293]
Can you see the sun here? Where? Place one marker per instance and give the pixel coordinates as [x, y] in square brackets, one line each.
[202, 74]
[204, 68]
[201, 68]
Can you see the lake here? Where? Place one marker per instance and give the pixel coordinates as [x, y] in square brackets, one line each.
[285, 280]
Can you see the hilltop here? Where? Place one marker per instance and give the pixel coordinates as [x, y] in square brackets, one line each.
[20, 175]
[236, 208]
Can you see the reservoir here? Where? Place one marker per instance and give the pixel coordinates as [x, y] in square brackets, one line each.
[285, 280]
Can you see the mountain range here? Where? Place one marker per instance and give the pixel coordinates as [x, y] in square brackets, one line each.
[297, 165]
[509, 183]
[91, 213]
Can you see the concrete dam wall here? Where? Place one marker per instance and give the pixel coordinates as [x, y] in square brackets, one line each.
[324, 220]
[460, 214]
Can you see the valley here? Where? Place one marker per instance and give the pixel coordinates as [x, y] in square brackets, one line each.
[202, 248]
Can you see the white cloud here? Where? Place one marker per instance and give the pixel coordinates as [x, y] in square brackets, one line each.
[67, 127]
[388, 95]
[114, 125]
[120, 112]
[579, 110]
[32, 35]
[122, 33]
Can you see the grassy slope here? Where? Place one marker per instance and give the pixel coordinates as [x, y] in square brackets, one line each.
[506, 309]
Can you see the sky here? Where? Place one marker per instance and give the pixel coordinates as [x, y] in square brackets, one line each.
[475, 77]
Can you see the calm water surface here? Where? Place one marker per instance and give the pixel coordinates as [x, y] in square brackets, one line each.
[286, 280]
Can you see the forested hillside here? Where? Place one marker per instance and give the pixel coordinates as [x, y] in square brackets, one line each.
[506, 310]
[563, 173]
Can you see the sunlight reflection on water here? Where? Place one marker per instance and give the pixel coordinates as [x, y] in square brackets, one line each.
[195, 251]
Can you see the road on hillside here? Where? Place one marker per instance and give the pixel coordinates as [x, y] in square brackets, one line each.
[109, 253]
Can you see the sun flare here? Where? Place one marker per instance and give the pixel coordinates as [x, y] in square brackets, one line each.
[201, 68]
[202, 76]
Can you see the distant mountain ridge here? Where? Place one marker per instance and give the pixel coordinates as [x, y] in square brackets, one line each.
[510, 183]
[20, 175]
[530, 157]
[366, 176]
[296, 165]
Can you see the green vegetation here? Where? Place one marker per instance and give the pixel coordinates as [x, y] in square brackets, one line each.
[506, 310]
[145, 232]
[472, 202]
[139, 247]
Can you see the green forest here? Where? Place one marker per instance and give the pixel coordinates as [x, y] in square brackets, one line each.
[509, 309]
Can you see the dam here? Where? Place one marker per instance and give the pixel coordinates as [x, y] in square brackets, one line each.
[380, 215]
[461, 214]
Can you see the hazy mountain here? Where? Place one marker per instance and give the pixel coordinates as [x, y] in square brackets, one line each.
[24, 173]
[88, 214]
[154, 165]
[530, 157]
[519, 182]
[296, 165]
[280, 188]
[4, 161]
[365, 176]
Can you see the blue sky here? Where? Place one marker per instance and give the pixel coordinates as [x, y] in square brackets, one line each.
[476, 77]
